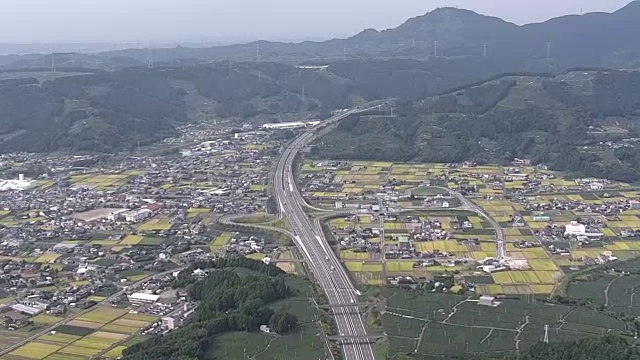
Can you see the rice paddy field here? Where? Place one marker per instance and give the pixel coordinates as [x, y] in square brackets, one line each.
[537, 273]
[103, 331]
[101, 181]
[359, 177]
[220, 241]
[156, 224]
[537, 270]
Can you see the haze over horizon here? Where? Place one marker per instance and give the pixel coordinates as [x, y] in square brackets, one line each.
[75, 21]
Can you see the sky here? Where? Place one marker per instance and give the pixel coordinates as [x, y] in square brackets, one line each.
[41, 21]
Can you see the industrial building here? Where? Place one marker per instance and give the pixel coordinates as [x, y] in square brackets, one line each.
[289, 125]
[143, 298]
[24, 309]
[16, 184]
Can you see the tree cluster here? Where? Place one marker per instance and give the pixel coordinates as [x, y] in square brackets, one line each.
[228, 301]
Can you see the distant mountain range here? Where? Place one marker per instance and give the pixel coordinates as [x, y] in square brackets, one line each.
[594, 39]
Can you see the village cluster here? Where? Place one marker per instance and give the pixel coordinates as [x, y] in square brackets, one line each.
[90, 246]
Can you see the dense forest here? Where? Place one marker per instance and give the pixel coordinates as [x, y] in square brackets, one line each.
[557, 121]
[228, 301]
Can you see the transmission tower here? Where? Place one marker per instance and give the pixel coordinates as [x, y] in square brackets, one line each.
[484, 50]
[149, 59]
[53, 62]
[435, 48]
[548, 49]
[546, 334]
[257, 51]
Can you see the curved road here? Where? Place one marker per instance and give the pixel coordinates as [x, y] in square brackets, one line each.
[309, 238]
[501, 251]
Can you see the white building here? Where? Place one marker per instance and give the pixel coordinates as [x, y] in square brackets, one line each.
[143, 298]
[24, 309]
[265, 329]
[168, 323]
[290, 125]
[486, 300]
[137, 215]
[16, 184]
[575, 228]
[115, 214]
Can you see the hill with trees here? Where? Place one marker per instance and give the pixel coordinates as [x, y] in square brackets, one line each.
[583, 122]
[113, 111]
[121, 110]
[228, 300]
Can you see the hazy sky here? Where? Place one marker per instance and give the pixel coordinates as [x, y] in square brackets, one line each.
[189, 20]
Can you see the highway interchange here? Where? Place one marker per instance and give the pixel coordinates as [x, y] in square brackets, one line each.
[309, 238]
[322, 261]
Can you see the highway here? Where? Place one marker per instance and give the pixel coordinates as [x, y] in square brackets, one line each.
[309, 238]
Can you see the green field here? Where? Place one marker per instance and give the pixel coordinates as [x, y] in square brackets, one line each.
[220, 241]
[302, 345]
[103, 315]
[427, 325]
[35, 350]
[157, 224]
[620, 294]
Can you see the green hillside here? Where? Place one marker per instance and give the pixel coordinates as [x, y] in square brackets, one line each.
[582, 122]
[112, 111]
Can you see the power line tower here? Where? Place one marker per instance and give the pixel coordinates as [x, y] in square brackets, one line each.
[149, 59]
[546, 334]
[484, 50]
[53, 62]
[344, 53]
[435, 48]
[548, 49]
[257, 51]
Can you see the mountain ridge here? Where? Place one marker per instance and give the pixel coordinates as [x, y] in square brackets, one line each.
[581, 122]
[459, 32]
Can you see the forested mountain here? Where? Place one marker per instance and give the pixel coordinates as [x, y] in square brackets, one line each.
[584, 122]
[595, 39]
[111, 111]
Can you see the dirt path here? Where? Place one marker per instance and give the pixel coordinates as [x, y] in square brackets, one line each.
[606, 291]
